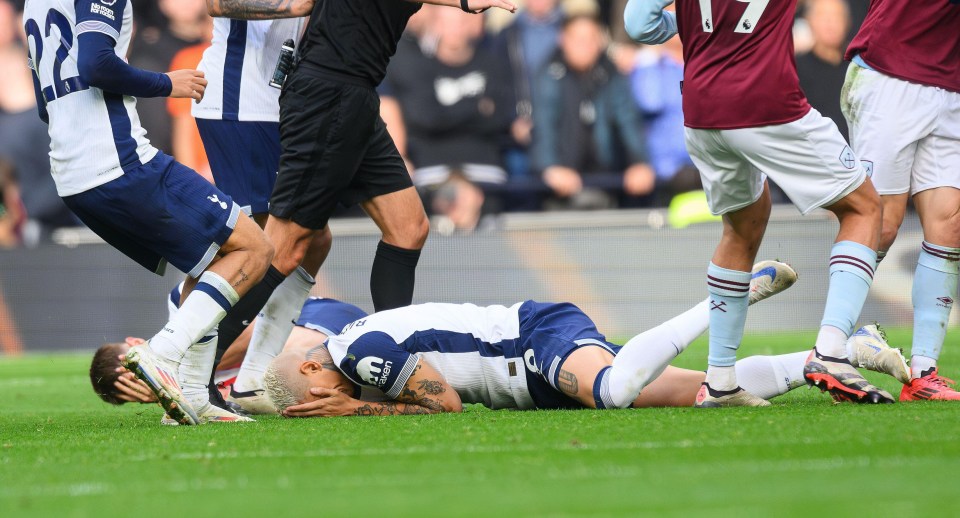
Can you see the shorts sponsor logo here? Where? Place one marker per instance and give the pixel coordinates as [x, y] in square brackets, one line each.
[374, 370]
[847, 158]
[867, 167]
[530, 361]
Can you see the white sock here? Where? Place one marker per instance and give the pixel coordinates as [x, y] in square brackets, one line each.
[273, 327]
[832, 341]
[195, 370]
[721, 378]
[770, 376]
[920, 364]
[646, 355]
[205, 306]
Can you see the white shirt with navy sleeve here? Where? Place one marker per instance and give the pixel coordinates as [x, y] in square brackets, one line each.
[94, 135]
[239, 65]
[476, 350]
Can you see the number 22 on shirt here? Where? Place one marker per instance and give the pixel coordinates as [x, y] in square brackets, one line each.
[63, 35]
[748, 22]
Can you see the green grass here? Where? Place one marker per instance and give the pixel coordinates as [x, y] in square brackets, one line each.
[64, 453]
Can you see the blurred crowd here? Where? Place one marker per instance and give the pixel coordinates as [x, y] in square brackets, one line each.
[549, 109]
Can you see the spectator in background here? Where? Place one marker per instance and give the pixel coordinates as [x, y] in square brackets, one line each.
[656, 88]
[456, 102]
[588, 135]
[822, 69]
[24, 141]
[12, 215]
[187, 147]
[526, 45]
[153, 48]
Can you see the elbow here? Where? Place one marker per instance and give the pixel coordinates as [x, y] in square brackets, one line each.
[452, 404]
[213, 9]
[301, 7]
[89, 73]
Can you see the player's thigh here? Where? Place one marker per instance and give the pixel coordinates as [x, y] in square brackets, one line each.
[887, 118]
[383, 187]
[244, 156]
[807, 158]
[161, 209]
[325, 129]
[730, 182]
[937, 161]
[674, 387]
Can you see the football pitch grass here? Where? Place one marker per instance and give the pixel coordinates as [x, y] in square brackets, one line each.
[64, 453]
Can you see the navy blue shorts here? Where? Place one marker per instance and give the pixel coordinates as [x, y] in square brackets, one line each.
[160, 212]
[243, 156]
[549, 332]
[329, 316]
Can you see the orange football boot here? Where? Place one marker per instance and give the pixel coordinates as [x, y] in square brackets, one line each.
[930, 386]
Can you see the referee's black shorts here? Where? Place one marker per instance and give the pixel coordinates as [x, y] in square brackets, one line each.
[335, 149]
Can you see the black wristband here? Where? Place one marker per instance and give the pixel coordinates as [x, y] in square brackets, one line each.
[466, 8]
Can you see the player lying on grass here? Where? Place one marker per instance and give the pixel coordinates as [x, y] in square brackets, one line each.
[432, 358]
[318, 319]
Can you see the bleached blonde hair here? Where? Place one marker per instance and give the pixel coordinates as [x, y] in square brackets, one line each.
[284, 383]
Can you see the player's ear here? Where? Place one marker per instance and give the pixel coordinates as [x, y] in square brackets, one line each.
[310, 367]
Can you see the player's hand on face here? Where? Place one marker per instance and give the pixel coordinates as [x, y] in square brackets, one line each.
[639, 180]
[329, 403]
[479, 5]
[131, 389]
[187, 84]
[564, 181]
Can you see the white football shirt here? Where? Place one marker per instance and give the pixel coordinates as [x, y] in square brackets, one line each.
[94, 135]
[239, 65]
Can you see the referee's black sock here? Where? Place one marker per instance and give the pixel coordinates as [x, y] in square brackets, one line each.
[246, 309]
[393, 276]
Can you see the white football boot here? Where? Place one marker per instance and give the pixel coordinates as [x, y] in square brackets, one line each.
[210, 413]
[707, 397]
[770, 278]
[868, 349]
[253, 402]
[161, 377]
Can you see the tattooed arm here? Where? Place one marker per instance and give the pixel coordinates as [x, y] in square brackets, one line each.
[426, 392]
[259, 9]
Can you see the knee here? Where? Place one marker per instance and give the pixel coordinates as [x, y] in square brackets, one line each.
[288, 261]
[411, 235]
[322, 242]
[888, 234]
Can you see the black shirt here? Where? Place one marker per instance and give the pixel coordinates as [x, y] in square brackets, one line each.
[455, 115]
[822, 82]
[355, 38]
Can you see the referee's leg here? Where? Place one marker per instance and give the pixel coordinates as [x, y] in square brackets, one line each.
[404, 224]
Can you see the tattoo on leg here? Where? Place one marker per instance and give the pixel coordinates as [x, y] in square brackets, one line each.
[567, 383]
[243, 278]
